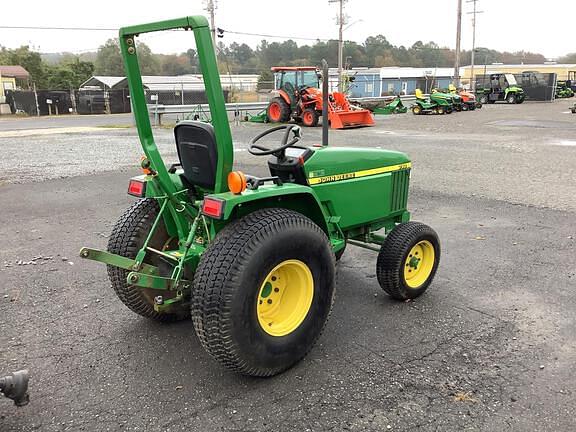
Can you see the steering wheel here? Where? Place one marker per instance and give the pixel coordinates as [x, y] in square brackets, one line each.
[260, 150]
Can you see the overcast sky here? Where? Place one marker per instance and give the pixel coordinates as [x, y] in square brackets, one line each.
[510, 25]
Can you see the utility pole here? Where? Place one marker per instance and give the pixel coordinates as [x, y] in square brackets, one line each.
[474, 13]
[458, 37]
[341, 23]
[210, 8]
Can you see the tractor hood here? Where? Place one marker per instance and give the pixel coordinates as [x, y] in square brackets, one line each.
[330, 164]
[444, 95]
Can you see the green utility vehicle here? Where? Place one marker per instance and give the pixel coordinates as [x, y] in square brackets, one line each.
[437, 104]
[501, 87]
[563, 90]
[252, 259]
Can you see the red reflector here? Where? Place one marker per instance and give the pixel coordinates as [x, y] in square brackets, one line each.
[136, 188]
[213, 207]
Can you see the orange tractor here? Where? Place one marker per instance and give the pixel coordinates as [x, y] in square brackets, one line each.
[298, 97]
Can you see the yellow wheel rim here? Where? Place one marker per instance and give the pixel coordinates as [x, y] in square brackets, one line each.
[419, 264]
[285, 298]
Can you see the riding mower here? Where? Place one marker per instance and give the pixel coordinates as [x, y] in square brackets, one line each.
[449, 96]
[437, 104]
[503, 87]
[252, 259]
[469, 102]
[299, 97]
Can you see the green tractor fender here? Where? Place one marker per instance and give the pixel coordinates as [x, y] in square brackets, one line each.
[290, 196]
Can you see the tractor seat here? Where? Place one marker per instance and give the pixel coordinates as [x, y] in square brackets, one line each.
[419, 94]
[198, 153]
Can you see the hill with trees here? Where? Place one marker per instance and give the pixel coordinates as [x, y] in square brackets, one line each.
[65, 70]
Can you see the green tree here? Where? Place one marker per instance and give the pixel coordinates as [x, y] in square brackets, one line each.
[109, 60]
[29, 60]
[69, 74]
[568, 58]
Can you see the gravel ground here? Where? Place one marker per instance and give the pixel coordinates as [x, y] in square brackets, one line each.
[490, 347]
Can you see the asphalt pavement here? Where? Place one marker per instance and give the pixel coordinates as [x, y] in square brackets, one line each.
[490, 347]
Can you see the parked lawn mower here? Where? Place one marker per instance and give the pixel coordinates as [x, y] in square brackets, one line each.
[502, 87]
[469, 102]
[252, 259]
[437, 104]
[298, 97]
[454, 98]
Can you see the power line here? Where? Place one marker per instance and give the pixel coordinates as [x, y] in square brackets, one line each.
[274, 36]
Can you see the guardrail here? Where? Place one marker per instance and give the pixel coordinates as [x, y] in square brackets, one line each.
[157, 111]
[405, 98]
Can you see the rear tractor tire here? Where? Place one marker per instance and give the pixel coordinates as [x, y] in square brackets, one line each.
[278, 110]
[310, 117]
[511, 99]
[408, 260]
[416, 110]
[483, 100]
[465, 107]
[263, 291]
[127, 238]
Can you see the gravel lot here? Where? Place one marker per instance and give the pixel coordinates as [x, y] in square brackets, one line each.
[490, 347]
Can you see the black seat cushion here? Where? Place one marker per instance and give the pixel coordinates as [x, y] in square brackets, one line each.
[197, 151]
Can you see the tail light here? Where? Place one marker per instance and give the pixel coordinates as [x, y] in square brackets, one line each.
[213, 207]
[137, 187]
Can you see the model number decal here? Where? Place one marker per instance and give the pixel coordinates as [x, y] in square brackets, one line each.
[364, 173]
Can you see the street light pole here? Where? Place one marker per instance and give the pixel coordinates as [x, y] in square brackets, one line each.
[474, 12]
[210, 8]
[340, 39]
[458, 37]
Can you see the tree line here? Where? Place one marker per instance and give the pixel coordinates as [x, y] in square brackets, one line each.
[70, 70]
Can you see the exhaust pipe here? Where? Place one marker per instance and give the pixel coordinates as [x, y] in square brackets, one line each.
[15, 387]
[324, 103]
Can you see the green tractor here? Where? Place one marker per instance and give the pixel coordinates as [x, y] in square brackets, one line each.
[438, 103]
[502, 87]
[252, 260]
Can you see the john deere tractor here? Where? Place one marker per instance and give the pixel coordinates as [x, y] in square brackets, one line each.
[501, 87]
[252, 259]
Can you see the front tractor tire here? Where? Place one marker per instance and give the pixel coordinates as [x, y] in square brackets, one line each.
[310, 117]
[263, 291]
[127, 238]
[408, 260]
[416, 110]
[278, 110]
